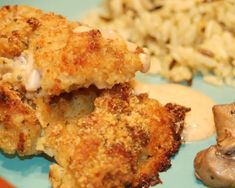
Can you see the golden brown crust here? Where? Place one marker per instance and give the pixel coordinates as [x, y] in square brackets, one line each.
[16, 29]
[127, 140]
[162, 146]
[19, 128]
[66, 55]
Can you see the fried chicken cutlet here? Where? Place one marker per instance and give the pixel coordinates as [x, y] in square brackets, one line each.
[125, 141]
[43, 54]
[44, 51]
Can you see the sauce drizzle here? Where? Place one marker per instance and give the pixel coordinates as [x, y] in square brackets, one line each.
[199, 122]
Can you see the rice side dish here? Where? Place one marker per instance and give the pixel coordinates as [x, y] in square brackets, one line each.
[184, 37]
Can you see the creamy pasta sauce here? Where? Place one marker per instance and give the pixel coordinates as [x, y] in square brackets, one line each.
[199, 122]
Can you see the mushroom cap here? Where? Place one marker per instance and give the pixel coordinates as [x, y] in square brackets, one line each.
[214, 168]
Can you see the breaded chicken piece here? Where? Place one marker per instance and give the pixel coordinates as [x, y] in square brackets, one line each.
[20, 117]
[125, 141]
[19, 128]
[58, 55]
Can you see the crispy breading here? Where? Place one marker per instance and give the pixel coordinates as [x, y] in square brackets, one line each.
[65, 54]
[125, 141]
[19, 127]
[21, 119]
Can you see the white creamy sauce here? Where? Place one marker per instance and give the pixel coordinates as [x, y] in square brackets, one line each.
[21, 69]
[199, 122]
[31, 77]
[33, 82]
[145, 60]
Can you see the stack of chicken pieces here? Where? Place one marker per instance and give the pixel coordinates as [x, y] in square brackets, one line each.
[65, 91]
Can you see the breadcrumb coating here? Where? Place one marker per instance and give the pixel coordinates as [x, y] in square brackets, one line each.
[66, 55]
[125, 141]
[19, 128]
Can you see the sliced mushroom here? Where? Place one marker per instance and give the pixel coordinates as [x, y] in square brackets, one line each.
[214, 169]
[224, 117]
[215, 166]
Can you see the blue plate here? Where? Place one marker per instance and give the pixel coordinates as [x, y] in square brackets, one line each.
[33, 172]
